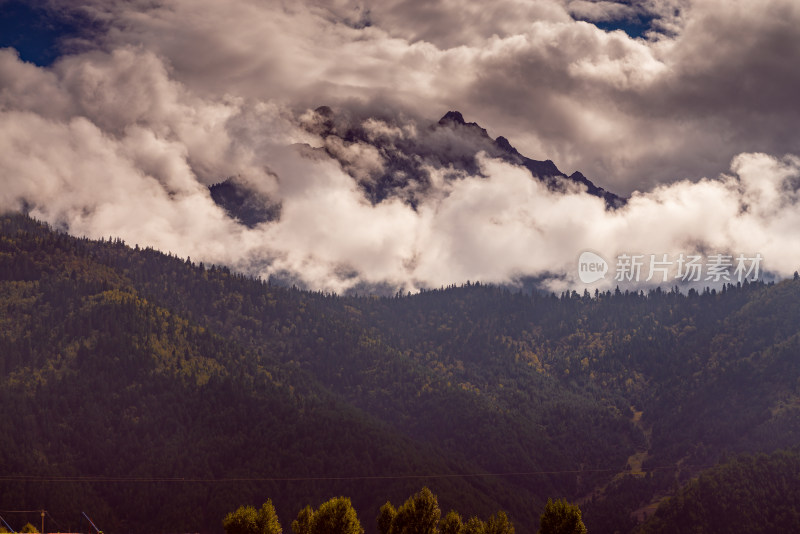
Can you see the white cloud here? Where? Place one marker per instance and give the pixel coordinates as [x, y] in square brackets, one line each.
[601, 11]
[123, 138]
[628, 113]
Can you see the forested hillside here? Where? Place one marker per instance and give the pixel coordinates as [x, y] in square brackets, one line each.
[749, 494]
[159, 394]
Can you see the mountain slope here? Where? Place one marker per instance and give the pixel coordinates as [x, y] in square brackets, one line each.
[118, 362]
[114, 404]
[749, 494]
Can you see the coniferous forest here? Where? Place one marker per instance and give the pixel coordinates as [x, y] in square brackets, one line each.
[161, 395]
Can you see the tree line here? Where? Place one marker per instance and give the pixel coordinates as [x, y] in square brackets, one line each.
[419, 514]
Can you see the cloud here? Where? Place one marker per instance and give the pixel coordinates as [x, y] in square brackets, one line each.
[76, 177]
[518, 228]
[454, 23]
[628, 113]
[601, 11]
[161, 99]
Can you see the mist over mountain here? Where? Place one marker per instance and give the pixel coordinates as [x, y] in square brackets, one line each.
[390, 159]
[121, 125]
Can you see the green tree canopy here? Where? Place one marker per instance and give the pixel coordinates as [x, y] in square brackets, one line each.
[302, 525]
[29, 528]
[267, 519]
[336, 516]
[248, 520]
[474, 526]
[451, 523]
[499, 524]
[419, 514]
[386, 516]
[243, 521]
[561, 517]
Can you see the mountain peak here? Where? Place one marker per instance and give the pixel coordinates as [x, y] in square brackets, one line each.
[450, 143]
[503, 144]
[452, 117]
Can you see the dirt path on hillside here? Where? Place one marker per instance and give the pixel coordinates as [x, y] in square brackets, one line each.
[633, 465]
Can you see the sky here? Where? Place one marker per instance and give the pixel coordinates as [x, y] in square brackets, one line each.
[116, 116]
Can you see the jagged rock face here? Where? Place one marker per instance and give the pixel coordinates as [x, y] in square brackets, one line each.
[543, 170]
[392, 158]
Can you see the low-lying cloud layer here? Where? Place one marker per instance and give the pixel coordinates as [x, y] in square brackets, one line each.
[123, 135]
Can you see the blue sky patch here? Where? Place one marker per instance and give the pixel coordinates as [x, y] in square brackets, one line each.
[635, 27]
[33, 31]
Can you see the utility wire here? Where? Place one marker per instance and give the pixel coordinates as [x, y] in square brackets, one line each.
[105, 479]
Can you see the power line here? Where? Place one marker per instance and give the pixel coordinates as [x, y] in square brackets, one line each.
[39, 511]
[202, 480]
